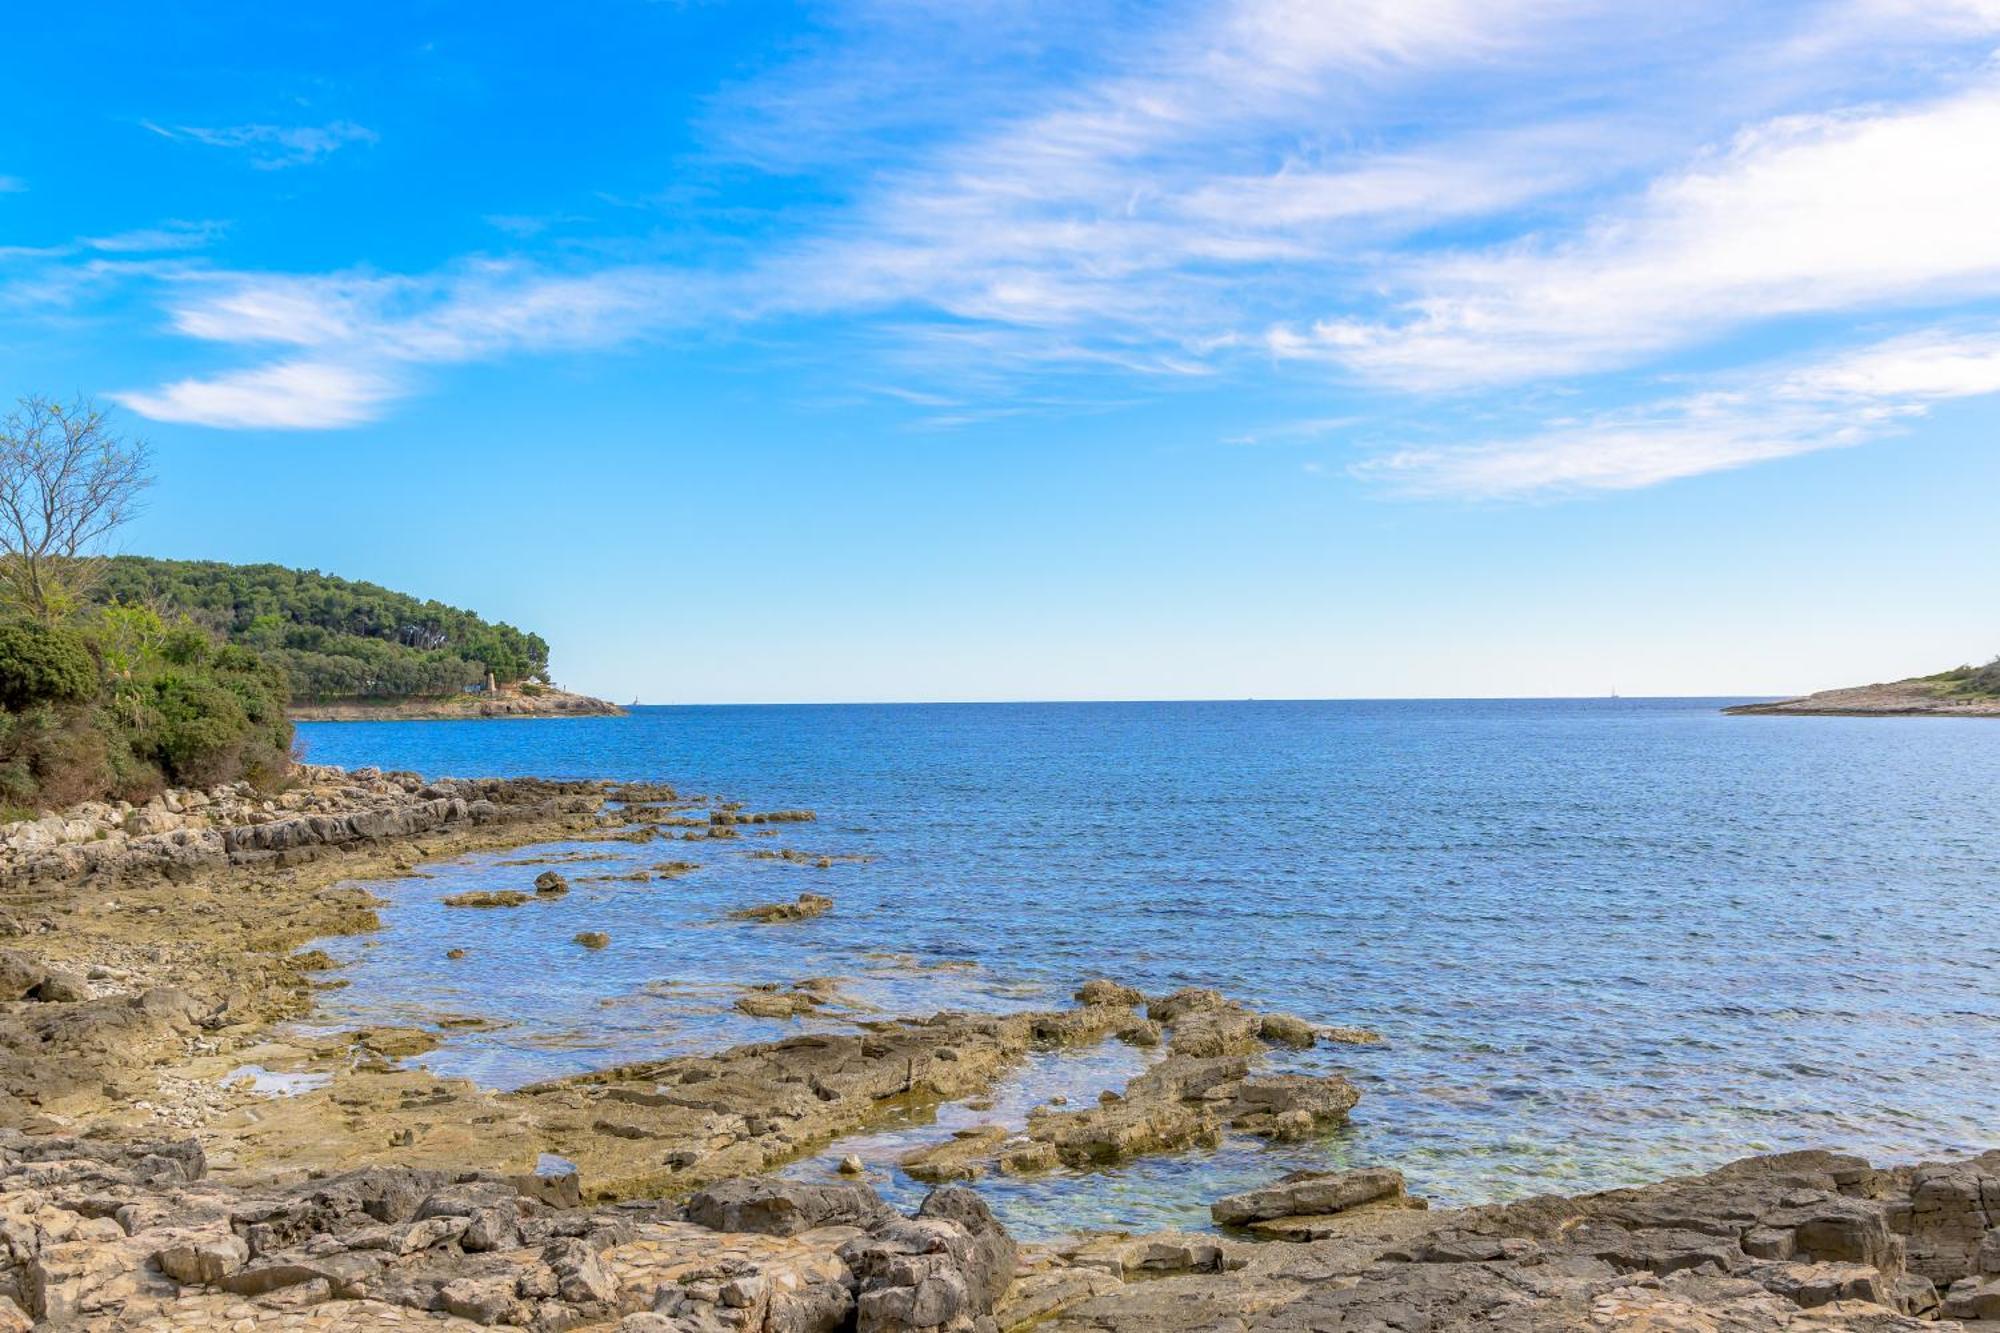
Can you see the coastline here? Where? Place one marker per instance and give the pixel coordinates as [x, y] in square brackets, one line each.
[501, 704]
[1903, 698]
[153, 954]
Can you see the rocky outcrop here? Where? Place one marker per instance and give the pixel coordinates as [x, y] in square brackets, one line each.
[1801, 1240]
[139, 936]
[1902, 698]
[322, 811]
[804, 908]
[1205, 1086]
[1308, 1194]
[138, 1237]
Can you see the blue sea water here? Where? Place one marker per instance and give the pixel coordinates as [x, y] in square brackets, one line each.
[1605, 940]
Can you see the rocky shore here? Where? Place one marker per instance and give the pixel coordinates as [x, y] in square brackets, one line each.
[1902, 698]
[501, 703]
[147, 1182]
[139, 1236]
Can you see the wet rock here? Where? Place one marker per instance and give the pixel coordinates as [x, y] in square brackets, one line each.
[488, 898]
[1100, 990]
[395, 1043]
[805, 907]
[1680, 1256]
[1308, 1192]
[549, 884]
[776, 1004]
[1188, 1000]
[592, 939]
[962, 1157]
[1287, 1030]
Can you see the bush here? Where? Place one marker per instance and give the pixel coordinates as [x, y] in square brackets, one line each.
[43, 664]
[168, 705]
[1986, 680]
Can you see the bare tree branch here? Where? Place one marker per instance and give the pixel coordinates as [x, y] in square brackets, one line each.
[67, 481]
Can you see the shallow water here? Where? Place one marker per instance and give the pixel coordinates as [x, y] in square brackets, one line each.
[1606, 939]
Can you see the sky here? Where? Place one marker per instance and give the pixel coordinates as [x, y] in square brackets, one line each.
[1025, 349]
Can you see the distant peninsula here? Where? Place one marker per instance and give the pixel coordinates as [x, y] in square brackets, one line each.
[528, 699]
[352, 650]
[1965, 691]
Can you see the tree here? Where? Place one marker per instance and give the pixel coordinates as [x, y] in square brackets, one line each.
[43, 664]
[66, 482]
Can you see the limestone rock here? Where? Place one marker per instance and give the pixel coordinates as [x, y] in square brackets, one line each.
[783, 1207]
[806, 906]
[1308, 1192]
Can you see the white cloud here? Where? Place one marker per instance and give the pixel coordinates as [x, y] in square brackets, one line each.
[1802, 215]
[273, 146]
[363, 332]
[1149, 204]
[290, 395]
[1259, 175]
[1844, 400]
[166, 236]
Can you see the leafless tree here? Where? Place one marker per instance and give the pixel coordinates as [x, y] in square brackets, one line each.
[66, 481]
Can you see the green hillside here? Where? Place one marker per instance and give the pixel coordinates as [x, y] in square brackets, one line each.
[336, 638]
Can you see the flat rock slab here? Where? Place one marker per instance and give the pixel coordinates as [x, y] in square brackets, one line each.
[1308, 1194]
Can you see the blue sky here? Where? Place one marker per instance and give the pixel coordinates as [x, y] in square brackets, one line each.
[891, 350]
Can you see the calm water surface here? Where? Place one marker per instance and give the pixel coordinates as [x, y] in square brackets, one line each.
[1605, 939]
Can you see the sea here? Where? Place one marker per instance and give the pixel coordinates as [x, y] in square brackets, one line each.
[1603, 941]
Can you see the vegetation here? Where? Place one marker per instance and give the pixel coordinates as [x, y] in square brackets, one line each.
[335, 638]
[102, 698]
[1970, 680]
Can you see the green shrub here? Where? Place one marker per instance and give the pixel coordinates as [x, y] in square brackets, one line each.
[170, 705]
[43, 664]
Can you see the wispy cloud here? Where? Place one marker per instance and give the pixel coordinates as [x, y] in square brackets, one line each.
[1382, 200]
[362, 335]
[271, 147]
[1848, 211]
[1844, 400]
[166, 236]
[290, 395]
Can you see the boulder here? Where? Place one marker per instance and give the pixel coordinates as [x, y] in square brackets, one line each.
[805, 907]
[773, 1207]
[1101, 990]
[1308, 1193]
[487, 898]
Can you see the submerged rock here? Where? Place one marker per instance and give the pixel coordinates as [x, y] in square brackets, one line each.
[487, 898]
[806, 906]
